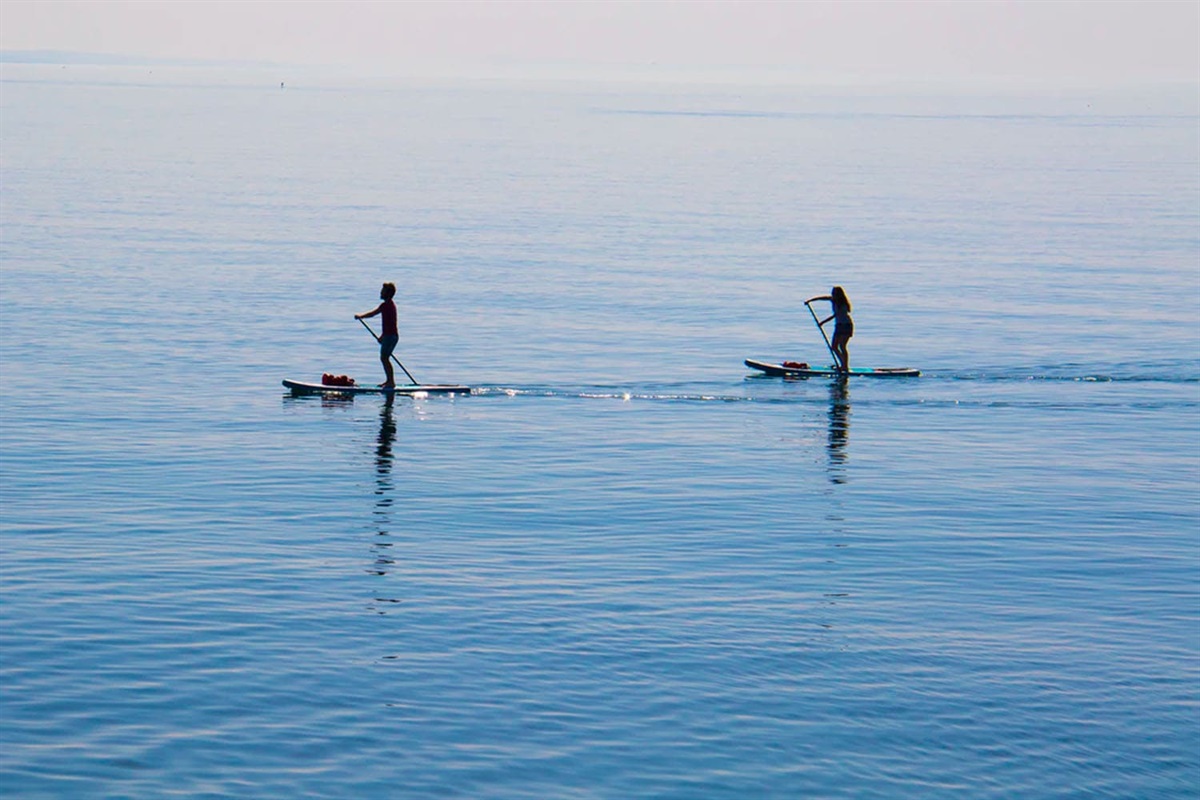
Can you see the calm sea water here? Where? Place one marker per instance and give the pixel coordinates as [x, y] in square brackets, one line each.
[623, 568]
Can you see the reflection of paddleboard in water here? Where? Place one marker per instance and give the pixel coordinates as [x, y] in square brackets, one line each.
[301, 387]
[790, 369]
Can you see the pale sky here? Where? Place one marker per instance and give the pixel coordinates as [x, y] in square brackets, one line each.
[1091, 41]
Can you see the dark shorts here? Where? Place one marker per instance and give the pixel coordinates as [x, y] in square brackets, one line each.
[387, 344]
[843, 330]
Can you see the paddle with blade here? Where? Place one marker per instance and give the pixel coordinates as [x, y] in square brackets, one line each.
[836, 360]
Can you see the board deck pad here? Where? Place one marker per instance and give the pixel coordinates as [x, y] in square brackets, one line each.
[303, 387]
[780, 370]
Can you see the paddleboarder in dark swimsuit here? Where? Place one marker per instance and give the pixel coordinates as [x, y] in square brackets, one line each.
[391, 334]
[843, 327]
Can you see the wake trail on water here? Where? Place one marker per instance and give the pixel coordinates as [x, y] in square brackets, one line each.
[1171, 384]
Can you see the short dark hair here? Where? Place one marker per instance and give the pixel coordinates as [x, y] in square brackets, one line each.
[389, 289]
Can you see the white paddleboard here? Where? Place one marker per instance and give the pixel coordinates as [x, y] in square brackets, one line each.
[302, 387]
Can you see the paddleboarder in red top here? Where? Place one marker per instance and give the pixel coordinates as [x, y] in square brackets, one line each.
[391, 334]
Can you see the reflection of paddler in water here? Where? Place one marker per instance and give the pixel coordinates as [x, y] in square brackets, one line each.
[384, 489]
[839, 424]
[383, 448]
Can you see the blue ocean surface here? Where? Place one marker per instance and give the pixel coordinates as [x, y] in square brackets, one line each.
[625, 566]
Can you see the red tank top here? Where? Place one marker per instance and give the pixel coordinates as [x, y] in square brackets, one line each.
[388, 312]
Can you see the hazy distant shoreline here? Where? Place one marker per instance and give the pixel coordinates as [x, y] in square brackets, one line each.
[73, 58]
[1155, 96]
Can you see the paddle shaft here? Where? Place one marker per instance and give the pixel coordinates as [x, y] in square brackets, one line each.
[406, 372]
[836, 360]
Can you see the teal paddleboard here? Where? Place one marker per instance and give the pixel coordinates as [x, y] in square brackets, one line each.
[804, 371]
